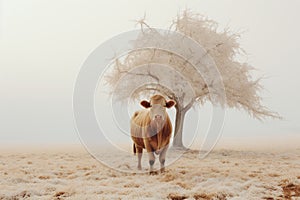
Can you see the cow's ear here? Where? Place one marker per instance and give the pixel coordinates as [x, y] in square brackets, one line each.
[170, 103]
[145, 104]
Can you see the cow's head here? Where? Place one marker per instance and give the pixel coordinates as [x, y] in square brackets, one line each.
[158, 105]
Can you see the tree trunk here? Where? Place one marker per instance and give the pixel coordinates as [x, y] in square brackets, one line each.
[180, 114]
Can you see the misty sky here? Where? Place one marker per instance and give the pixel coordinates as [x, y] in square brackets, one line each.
[44, 43]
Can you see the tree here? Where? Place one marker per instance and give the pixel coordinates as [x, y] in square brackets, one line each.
[154, 70]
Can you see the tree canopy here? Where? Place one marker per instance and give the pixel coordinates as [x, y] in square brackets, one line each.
[154, 70]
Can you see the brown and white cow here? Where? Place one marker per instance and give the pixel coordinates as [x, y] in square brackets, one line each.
[151, 129]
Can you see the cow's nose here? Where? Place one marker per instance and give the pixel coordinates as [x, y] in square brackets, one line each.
[158, 117]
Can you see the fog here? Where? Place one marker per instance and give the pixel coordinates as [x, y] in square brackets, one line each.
[44, 43]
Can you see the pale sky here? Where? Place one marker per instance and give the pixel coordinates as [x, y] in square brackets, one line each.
[44, 43]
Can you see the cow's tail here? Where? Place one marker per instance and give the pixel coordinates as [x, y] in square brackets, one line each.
[134, 149]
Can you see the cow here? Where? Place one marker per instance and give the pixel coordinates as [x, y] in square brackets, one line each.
[151, 129]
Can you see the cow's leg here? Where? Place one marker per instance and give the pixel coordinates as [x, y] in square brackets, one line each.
[151, 162]
[162, 158]
[139, 153]
[150, 154]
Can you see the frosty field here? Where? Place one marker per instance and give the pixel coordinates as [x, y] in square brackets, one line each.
[71, 173]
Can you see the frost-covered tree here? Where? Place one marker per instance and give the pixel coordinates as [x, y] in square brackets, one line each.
[153, 70]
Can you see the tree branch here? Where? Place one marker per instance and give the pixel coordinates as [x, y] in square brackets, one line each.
[156, 87]
[189, 105]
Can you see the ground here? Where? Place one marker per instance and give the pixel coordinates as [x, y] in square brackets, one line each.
[74, 174]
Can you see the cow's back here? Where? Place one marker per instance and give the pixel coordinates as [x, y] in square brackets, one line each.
[139, 122]
[141, 118]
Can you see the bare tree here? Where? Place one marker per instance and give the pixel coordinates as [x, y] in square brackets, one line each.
[154, 70]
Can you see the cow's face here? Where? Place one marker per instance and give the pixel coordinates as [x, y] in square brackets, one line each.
[158, 105]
